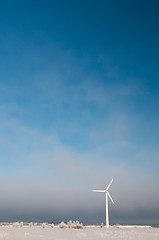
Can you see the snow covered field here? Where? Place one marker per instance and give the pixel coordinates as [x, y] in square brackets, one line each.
[86, 233]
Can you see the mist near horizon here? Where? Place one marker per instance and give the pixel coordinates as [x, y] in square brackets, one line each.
[31, 201]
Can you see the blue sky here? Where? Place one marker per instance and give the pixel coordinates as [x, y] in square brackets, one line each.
[79, 104]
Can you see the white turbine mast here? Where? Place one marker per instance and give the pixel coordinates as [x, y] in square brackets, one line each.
[106, 196]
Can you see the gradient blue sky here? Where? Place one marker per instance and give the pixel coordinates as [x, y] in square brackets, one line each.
[79, 104]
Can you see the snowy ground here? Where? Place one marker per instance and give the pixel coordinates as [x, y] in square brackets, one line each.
[87, 233]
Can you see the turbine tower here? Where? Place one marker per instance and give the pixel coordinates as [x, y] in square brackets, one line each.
[106, 196]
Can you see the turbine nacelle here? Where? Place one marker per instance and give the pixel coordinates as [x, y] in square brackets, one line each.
[106, 191]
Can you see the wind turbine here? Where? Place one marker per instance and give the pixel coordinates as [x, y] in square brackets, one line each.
[106, 196]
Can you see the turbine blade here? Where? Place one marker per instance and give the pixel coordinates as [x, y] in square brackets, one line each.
[98, 191]
[110, 197]
[109, 185]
